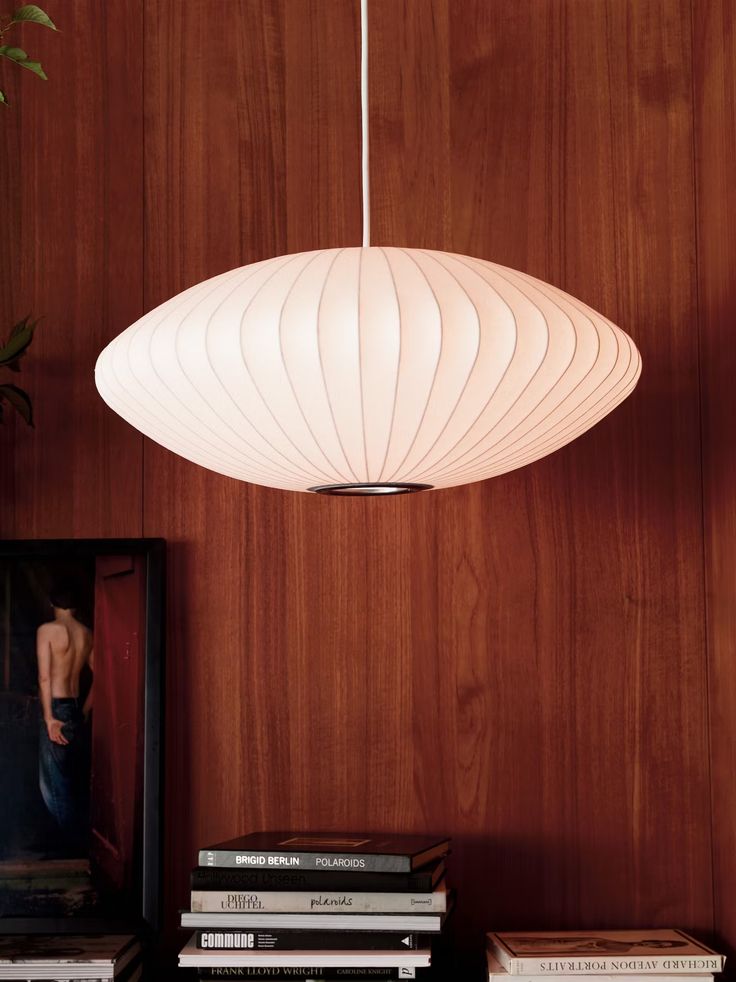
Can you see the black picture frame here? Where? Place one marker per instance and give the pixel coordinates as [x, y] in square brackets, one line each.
[147, 920]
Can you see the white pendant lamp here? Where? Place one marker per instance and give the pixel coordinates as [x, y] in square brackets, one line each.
[370, 370]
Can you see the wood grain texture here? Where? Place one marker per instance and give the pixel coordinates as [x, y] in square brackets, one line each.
[520, 663]
[591, 121]
[714, 46]
[74, 154]
[214, 166]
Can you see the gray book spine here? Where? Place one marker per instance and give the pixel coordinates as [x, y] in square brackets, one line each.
[302, 901]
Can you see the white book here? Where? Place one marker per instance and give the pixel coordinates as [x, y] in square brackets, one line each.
[497, 973]
[68, 956]
[193, 957]
[318, 902]
[649, 951]
[406, 923]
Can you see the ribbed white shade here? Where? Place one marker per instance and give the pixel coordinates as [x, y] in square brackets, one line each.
[367, 366]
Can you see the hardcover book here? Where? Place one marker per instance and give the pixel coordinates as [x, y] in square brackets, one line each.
[193, 957]
[497, 973]
[640, 952]
[406, 923]
[65, 956]
[132, 973]
[290, 940]
[357, 852]
[310, 974]
[222, 878]
[304, 901]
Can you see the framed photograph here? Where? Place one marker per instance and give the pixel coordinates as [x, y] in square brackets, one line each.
[81, 663]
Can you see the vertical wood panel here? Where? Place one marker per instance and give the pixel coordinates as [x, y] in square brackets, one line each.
[215, 187]
[74, 196]
[714, 48]
[285, 125]
[629, 250]
[505, 562]
[568, 130]
[409, 67]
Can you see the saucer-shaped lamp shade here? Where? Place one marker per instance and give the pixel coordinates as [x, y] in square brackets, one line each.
[367, 370]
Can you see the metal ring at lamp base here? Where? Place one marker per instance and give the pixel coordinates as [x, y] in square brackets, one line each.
[347, 490]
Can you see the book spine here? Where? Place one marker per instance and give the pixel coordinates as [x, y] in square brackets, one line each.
[304, 902]
[358, 974]
[365, 862]
[699, 977]
[222, 878]
[300, 940]
[422, 923]
[651, 965]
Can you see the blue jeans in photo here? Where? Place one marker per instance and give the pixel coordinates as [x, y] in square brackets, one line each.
[64, 772]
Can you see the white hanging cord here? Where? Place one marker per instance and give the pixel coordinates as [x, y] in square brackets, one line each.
[365, 169]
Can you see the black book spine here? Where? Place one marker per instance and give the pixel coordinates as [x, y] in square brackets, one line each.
[221, 878]
[296, 940]
[257, 859]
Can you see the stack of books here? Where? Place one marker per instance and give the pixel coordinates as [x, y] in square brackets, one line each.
[287, 905]
[568, 956]
[70, 956]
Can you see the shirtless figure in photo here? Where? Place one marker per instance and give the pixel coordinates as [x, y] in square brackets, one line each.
[64, 647]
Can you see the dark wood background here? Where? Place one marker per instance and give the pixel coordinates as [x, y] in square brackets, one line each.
[542, 665]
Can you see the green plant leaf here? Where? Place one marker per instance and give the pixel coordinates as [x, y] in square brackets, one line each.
[33, 14]
[3, 100]
[24, 326]
[20, 337]
[19, 400]
[19, 56]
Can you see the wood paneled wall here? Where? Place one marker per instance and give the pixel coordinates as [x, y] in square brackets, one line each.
[714, 69]
[540, 665]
